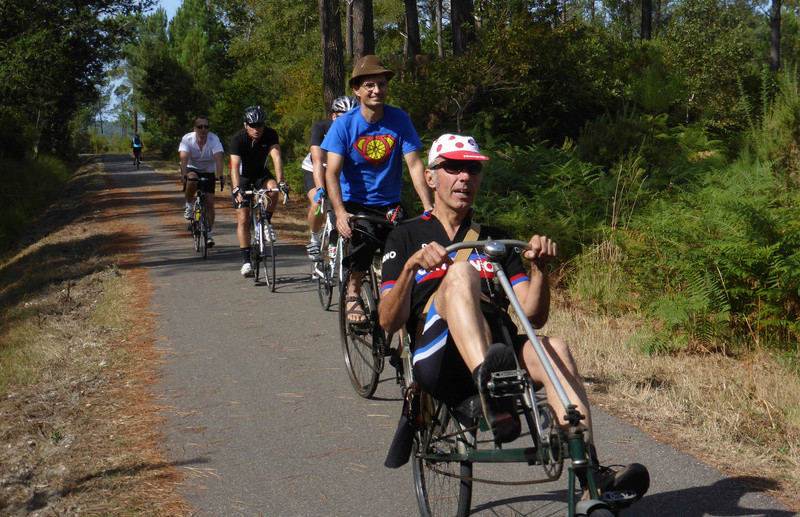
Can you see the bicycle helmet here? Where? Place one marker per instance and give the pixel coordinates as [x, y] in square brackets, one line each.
[254, 115]
[343, 104]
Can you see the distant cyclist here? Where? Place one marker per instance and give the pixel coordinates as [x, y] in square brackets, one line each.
[250, 148]
[366, 148]
[314, 173]
[201, 157]
[136, 145]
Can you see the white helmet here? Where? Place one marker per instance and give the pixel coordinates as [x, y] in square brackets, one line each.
[343, 104]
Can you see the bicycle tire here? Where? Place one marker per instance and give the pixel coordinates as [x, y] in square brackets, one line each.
[194, 227]
[443, 488]
[324, 273]
[256, 249]
[362, 362]
[601, 512]
[203, 231]
[269, 258]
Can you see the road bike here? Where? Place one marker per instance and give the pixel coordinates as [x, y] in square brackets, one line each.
[365, 345]
[445, 441]
[328, 271]
[262, 248]
[198, 224]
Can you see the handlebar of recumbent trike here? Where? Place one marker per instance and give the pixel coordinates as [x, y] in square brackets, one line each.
[494, 251]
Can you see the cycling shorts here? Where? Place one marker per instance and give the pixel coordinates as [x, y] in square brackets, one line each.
[208, 187]
[437, 363]
[137, 151]
[308, 181]
[363, 248]
[246, 183]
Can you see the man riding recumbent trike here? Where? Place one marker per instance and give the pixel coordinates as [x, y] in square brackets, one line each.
[446, 285]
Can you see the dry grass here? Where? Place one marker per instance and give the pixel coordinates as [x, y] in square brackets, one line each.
[741, 416]
[79, 429]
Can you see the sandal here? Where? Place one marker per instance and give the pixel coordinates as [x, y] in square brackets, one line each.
[355, 310]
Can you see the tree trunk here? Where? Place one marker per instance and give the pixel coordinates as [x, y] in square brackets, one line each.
[332, 59]
[775, 36]
[135, 121]
[439, 45]
[413, 47]
[460, 18]
[348, 37]
[647, 19]
[563, 12]
[363, 32]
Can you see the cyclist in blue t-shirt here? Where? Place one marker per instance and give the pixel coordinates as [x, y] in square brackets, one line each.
[136, 144]
[366, 148]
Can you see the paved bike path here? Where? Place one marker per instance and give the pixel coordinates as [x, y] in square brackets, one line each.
[262, 418]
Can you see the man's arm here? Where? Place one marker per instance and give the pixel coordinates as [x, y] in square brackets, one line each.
[394, 308]
[317, 158]
[236, 163]
[417, 171]
[277, 162]
[220, 167]
[334, 190]
[184, 163]
[534, 296]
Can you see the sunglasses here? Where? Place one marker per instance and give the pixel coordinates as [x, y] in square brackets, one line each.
[257, 125]
[457, 167]
[200, 126]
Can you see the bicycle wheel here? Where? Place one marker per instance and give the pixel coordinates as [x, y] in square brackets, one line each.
[269, 257]
[256, 248]
[361, 359]
[443, 488]
[324, 274]
[203, 230]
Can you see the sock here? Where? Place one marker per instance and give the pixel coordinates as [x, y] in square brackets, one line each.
[245, 255]
[316, 237]
[475, 375]
[188, 204]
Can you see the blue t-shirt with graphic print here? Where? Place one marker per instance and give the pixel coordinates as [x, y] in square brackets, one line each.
[372, 173]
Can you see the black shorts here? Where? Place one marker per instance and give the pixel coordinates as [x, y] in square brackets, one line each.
[246, 183]
[208, 187]
[137, 151]
[308, 181]
[438, 366]
[363, 248]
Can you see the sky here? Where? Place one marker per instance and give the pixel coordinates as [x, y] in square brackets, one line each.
[170, 6]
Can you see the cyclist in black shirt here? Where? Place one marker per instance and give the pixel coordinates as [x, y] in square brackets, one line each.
[250, 149]
[453, 355]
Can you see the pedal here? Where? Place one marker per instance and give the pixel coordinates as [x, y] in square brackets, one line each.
[619, 499]
[507, 383]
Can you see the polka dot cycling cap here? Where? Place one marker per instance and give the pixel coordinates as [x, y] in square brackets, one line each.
[455, 147]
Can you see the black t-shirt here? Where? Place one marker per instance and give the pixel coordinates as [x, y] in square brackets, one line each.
[254, 153]
[407, 239]
[318, 132]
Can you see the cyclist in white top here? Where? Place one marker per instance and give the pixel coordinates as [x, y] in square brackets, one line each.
[201, 157]
[314, 173]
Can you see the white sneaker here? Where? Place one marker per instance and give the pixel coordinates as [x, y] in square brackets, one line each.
[210, 240]
[312, 248]
[270, 234]
[247, 270]
[187, 213]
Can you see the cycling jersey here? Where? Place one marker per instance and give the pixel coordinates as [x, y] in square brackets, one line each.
[372, 173]
[408, 238]
[254, 153]
[318, 132]
[201, 159]
[136, 143]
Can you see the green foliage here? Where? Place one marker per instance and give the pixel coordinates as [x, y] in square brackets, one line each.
[29, 187]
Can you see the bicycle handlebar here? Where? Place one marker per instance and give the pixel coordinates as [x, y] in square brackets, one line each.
[481, 244]
[372, 219]
[200, 180]
[265, 191]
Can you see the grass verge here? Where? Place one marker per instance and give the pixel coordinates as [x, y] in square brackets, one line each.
[79, 428]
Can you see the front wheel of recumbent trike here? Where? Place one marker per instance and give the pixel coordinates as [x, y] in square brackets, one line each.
[443, 488]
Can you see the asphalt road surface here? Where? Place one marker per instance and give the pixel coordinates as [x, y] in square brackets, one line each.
[261, 416]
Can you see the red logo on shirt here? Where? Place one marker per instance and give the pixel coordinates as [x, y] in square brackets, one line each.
[375, 149]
